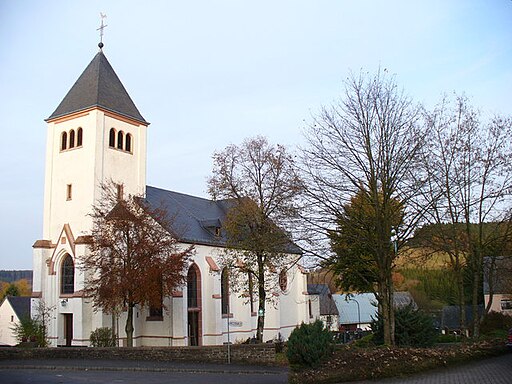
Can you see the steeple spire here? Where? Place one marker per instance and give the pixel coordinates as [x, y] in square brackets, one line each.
[101, 28]
[98, 86]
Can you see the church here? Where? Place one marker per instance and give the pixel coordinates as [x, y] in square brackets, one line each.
[97, 134]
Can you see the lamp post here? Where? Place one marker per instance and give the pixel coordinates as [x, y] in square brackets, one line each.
[358, 312]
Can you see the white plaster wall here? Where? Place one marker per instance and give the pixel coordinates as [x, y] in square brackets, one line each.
[8, 319]
[87, 167]
[496, 302]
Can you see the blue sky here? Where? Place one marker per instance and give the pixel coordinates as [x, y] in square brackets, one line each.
[207, 73]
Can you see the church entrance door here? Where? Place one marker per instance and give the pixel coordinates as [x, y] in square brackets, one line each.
[193, 328]
[68, 328]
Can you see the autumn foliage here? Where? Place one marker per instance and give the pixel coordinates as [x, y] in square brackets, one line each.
[134, 258]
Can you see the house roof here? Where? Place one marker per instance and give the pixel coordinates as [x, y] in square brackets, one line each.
[327, 304]
[501, 272]
[366, 312]
[98, 86]
[351, 312]
[194, 219]
[20, 305]
[450, 316]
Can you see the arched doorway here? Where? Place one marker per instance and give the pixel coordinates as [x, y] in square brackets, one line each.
[194, 305]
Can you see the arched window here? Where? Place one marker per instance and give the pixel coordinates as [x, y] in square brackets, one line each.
[72, 138]
[120, 135]
[192, 288]
[112, 138]
[128, 143]
[64, 141]
[283, 280]
[224, 291]
[79, 137]
[67, 280]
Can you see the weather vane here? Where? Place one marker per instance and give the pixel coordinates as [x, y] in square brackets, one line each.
[101, 28]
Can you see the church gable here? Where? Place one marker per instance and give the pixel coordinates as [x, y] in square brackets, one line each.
[65, 245]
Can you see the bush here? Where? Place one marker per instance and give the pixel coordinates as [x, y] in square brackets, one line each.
[495, 321]
[103, 337]
[309, 345]
[30, 330]
[413, 328]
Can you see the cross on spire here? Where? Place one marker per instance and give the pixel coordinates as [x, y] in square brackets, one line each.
[101, 28]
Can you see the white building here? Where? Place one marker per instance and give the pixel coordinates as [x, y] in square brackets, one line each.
[12, 309]
[97, 134]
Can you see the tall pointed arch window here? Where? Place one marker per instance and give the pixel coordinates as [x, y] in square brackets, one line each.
[112, 138]
[64, 141]
[79, 137]
[224, 291]
[67, 280]
[192, 292]
[283, 280]
[128, 143]
[72, 138]
[120, 135]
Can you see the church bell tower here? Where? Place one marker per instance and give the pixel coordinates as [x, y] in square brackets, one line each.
[95, 136]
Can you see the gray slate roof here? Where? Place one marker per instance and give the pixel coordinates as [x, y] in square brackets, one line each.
[20, 304]
[352, 313]
[194, 219]
[98, 86]
[327, 304]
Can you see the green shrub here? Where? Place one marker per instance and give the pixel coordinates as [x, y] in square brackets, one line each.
[309, 345]
[102, 337]
[413, 328]
[495, 321]
[30, 330]
[365, 342]
[448, 338]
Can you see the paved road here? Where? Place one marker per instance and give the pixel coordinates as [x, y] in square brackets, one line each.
[61, 371]
[497, 370]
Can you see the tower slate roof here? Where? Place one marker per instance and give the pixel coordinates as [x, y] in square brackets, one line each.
[98, 86]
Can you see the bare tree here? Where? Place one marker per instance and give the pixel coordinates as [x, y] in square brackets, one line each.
[262, 185]
[133, 258]
[366, 143]
[469, 172]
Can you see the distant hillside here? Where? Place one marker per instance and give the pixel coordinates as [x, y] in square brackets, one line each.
[11, 276]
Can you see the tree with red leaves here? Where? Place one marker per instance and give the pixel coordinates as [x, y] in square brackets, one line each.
[133, 259]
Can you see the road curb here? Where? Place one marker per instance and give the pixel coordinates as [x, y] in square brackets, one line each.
[139, 369]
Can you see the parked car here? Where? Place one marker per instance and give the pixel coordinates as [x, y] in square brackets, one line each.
[509, 339]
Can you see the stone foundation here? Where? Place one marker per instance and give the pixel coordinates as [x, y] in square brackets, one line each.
[250, 354]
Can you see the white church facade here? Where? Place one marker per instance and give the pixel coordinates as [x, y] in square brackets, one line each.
[95, 135]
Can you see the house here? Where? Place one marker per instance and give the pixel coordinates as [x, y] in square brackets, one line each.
[358, 310]
[322, 306]
[498, 284]
[95, 135]
[12, 309]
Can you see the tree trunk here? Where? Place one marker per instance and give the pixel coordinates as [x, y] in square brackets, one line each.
[476, 291]
[388, 317]
[262, 296]
[461, 299]
[129, 326]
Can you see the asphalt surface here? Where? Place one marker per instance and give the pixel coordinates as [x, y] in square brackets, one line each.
[127, 372]
[496, 370]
